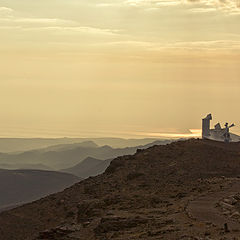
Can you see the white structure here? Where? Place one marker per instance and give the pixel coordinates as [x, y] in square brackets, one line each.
[218, 133]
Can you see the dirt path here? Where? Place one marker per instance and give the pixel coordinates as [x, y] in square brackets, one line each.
[204, 208]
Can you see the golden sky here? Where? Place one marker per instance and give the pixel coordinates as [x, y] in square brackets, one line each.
[128, 68]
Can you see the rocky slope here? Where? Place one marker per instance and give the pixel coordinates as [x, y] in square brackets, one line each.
[144, 196]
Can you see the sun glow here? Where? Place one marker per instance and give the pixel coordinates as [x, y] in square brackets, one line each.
[193, 133]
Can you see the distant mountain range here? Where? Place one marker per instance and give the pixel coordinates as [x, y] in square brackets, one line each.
[16, 166]
[62, 147]
[27, 144]
[67, 155]
[21, 186]
[89, 167]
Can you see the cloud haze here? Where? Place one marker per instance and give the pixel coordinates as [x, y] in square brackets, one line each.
[85, 67]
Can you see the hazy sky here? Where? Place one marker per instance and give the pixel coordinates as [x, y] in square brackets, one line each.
[129, 68]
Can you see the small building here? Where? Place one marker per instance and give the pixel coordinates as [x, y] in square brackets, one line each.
[218, 133]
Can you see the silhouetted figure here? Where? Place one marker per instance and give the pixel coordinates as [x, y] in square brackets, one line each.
[226, 135]
[226, 230]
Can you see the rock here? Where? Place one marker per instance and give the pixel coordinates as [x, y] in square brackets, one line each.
[115, 223]
[236, 196]
[88, 209]
[226, 205]
[226, 213]
[55, 233]
[207, 233]
[230, 201]
[235, 214]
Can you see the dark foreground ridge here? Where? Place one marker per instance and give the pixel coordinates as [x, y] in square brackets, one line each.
[150, 195]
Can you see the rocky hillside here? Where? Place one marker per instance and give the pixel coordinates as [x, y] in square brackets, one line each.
[144, 196]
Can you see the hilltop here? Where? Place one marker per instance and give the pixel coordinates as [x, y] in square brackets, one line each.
[153, 194]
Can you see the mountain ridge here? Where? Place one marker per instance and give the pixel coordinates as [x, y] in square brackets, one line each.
[68, 157]
[8, 145]
[89, 167]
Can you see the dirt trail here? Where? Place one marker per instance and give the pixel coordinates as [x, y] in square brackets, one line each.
[204, 208]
